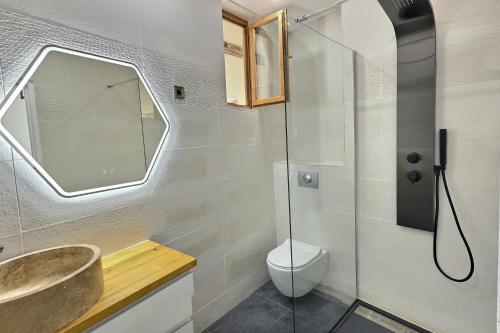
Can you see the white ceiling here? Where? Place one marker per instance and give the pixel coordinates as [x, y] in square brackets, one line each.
[252, 9]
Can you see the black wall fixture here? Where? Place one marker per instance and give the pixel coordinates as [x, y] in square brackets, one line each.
[414, 24]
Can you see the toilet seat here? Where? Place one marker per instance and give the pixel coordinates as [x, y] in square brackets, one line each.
[302, 253]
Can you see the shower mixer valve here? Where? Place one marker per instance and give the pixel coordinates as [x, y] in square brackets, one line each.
[414, 176]
[413, 158]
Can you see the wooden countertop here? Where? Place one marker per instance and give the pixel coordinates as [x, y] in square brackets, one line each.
[130, 274]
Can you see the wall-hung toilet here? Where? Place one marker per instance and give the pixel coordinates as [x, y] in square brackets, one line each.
[310, 264]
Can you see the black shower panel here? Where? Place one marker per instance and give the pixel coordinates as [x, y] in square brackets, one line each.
[414, 25]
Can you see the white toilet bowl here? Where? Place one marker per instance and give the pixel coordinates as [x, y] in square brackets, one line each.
[310, 264]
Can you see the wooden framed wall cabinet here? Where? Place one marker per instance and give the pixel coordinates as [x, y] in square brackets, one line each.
[255, 59]
[267, 59]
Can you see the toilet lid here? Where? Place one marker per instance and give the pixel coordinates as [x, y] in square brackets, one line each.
[303, 254]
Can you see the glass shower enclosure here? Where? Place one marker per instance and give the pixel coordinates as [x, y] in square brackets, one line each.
[318, 224]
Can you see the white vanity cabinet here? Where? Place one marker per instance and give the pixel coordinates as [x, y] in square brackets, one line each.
[166, 310]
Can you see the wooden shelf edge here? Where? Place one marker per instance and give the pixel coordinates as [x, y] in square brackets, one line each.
[92, 318]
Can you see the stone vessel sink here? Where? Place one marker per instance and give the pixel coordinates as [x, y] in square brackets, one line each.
[45, 290]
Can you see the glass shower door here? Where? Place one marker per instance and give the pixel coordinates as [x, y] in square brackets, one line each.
[321, 178]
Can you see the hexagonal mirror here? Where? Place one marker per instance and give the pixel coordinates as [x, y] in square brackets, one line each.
[84, 122]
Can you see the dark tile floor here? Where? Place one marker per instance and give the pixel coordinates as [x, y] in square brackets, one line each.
[267, 310]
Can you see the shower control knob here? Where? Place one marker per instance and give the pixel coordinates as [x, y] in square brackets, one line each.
[413, 158]
[414, 176]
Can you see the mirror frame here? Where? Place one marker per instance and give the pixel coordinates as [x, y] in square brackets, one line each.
[19, 86]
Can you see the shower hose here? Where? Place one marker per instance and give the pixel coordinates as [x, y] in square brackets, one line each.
[440, 171]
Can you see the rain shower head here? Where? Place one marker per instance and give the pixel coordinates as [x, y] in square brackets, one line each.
[409, 16]
[414, 25]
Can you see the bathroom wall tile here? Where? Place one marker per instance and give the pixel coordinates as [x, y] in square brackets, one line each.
[239, 126]
[9, 214]
[323, 227]
[335, 192]
[176, 37]
[209, 283]
[163, 72]
[369, 125]
[388, 159]
[341, 274]
[249, 258]
[451, 10]
[182, 213]
[205, 244]
[186, 169]
[370, 236]
[191, 126]
[388, 119]
[248, 209]
[470, 44]
[116, 19]
[233, 296]
[111, 231]
[244, 160]
[376, 199]
[12, 247]
[23, 37]
[281, 214]
[159, 75]
[470, 110]
[5, 150]
[40, 205]
[273, 123]
[334, 231]
[370, 158]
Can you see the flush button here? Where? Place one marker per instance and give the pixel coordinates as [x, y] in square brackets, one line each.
[413, 158]
[308, 178]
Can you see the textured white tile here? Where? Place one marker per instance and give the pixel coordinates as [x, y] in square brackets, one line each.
[376, 198]
[244, 160]
[370, 158]
[249, 258]
[115, 19]
[239, 126]
[22, 37]
[192, 126]
[470, 110]
[205, 244]
[9, 214]
[188, 29]
[233, 296]
[181, 170]
[5, 150]
[369, 125]
[182, 213]
[335, 192]
[40, 205]
[468, 52]
[111, 231]
[273, 123]
[209, 283]
[248, 209]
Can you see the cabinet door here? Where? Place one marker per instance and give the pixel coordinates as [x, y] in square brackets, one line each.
[267, 59]
[160, 312]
